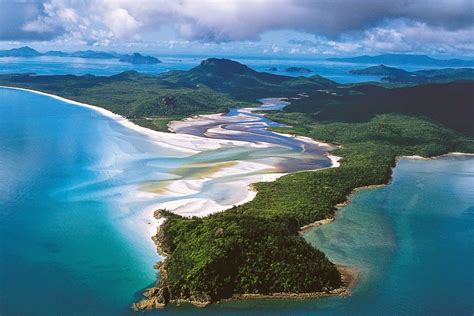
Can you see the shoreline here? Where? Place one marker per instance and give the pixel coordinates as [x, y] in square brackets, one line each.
[349, 278]
[352, 280]
[155, 297]
[353, 273]
[189, 144]
[307, 228]
[185, 143]
[418, 157]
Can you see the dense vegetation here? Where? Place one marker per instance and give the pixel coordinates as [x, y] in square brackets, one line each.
[147, 100]
[234, 252]
[244, 83]
[256, 247]
[449, 104]
[376, 125]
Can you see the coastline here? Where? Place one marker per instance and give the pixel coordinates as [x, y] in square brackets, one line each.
[351, 274]
[352, 279]
[306, 228]
[156, 297]
[418, 157]
[189, 144]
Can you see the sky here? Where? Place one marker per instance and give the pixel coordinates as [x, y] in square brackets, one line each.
[256, 27]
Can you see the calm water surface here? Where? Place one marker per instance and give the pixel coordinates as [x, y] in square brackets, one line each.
[413, 242]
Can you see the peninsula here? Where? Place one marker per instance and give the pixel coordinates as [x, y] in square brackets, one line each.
[256, 249]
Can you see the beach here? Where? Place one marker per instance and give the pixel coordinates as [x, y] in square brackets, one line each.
[207, 133]
[222, 158]
[190, 178]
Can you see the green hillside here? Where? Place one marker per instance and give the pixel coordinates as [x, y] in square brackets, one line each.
[449, 104]
[242, 82]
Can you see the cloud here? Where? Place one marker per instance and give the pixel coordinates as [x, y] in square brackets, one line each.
[398, 36]
[121, 22]
[342, 24]
[17, 22]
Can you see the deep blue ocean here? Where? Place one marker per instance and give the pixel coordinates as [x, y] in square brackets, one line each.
[68, 244]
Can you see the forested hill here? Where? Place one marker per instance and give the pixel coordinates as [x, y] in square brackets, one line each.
[233, 252]
[242, 82]
[450, 104]
[151, 101]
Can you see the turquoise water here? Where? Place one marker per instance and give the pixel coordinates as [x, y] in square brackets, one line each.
[412, 241]
[75, 221]
[56, 244]
[72, 239]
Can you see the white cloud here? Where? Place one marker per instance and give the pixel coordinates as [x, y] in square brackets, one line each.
[121, 24]
[338, 25]
[275, 48]
[397, 36]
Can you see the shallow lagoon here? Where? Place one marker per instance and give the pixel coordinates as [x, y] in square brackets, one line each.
[68, 245]
[76, 208]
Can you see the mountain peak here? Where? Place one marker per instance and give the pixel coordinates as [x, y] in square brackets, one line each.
[223, 67]
[24, 51]
[26, 48]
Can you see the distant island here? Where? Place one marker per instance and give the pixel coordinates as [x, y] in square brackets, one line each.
[273, 69]
[27, 51]
[407, 59]
[380, 70]
[398, 75]
[82, 54]
[20, 52]
[298, 69]
[137, 58]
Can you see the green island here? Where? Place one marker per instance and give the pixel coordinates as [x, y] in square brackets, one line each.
[256, 249]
